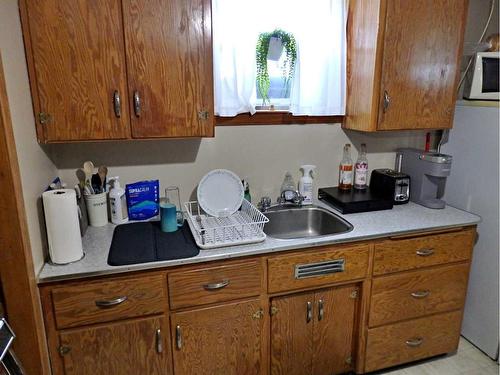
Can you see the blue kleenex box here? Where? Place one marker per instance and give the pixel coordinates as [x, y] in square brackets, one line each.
[142, 199]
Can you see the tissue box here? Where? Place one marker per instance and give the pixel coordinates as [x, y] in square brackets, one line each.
[142, 199]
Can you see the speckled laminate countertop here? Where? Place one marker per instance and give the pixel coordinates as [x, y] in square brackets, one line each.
[401, 219]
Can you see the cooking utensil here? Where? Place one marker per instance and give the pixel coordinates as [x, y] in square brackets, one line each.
[220, 193]
[102, 171]
[81, 176]
[202, 231]
[88, 168]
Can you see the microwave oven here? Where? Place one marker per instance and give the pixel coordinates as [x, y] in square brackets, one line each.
[482, 79]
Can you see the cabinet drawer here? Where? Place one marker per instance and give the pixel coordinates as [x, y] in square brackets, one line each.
[105, 301]
[412, 340]
[215, 284]
[418, 293]
[405, 254]
[316, 267]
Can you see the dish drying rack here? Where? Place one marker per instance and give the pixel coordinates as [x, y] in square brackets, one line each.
[243, 227]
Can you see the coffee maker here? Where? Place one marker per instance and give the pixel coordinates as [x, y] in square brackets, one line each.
[428, 172]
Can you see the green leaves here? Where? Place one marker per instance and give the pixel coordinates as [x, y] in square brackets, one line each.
[288, 68]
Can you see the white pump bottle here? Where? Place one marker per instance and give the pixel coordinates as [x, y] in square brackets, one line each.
[118, 202]
[306, 184]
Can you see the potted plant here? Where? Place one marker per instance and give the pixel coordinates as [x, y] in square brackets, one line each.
[270, 46]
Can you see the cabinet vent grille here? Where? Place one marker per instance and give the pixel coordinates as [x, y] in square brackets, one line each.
[319, 269]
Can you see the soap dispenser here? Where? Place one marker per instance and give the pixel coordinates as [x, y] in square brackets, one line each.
[118, 202]
[306, 184]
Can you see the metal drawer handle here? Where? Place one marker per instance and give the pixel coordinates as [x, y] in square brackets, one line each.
[117, 104]
[110, 303]
[178, 337]
[425, 252]
[413, 343]
[420, 293]
[387, 101]
[321, 309]
[137, 104]
[216, 286]
[309, 314]
[159, 341]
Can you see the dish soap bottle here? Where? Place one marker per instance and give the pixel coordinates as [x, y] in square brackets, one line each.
[118, 202]
[345, 169]
[361, 169]
[306, 183]
[288, 186]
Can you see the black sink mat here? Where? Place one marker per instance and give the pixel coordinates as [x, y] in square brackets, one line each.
[145, 242]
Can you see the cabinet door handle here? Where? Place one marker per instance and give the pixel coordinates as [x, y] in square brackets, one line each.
[178, 337]
[137, 104]
[117, 105]
[425, 252]
[387, 101]
[159, 341]
[309, 314]
[321, 311]
[420, 294]
[215, 286]
[413, 343]
[110, 302]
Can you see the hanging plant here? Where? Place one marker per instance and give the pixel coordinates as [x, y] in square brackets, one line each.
[262, 50]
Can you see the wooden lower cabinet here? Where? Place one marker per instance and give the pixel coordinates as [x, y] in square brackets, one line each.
[138, 346]
[221, 340]
[313, 333]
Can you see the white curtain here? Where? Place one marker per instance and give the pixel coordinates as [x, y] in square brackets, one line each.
[319, 27]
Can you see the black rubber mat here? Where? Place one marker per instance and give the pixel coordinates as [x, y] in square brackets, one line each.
[145, 242]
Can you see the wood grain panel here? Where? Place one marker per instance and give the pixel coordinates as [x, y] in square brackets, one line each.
[78, 55]
[118, 349]
[422, 50]
[387, 344]
[401, 254]
[17, 274]
[281, 268]
[392, 298]
[225, 339]
[291, 335]
[169, 60]
[76, 305]
[364, 60]
[333, 338]
[275, 118]
[189, 288]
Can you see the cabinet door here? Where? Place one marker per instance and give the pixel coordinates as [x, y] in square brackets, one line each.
[133, 347]
[79, 69]
[169, 60]
[422, 50]
[292, 334]
[333, 338]
[220, 340]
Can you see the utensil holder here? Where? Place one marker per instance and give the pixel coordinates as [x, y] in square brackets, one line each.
[97, 209]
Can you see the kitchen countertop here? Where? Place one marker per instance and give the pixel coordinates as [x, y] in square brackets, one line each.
[402, 219]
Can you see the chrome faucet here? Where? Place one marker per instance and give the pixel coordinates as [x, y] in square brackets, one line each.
[286, 198]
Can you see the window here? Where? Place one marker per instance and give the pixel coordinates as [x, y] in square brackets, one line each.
[314, 84]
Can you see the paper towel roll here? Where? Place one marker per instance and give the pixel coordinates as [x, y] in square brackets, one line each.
[63, 227]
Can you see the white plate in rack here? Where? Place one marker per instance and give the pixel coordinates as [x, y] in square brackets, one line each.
[220, 193]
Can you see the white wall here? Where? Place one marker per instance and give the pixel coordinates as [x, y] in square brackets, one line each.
[261, 153]
[35, 167]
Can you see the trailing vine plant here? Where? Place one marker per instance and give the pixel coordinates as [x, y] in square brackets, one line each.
[288, 67]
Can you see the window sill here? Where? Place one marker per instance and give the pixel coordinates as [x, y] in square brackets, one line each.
[275, 118]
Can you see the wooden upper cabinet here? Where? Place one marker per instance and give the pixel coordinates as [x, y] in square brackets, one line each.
[169, 49]
[77, 69]
[119, 69]
[403, 63]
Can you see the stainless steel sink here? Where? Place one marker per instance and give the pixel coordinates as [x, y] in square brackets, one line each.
[303, 222]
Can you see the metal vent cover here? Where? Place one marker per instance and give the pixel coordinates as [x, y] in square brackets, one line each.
[303, 271]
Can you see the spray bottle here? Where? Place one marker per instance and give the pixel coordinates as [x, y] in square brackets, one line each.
[306, 184]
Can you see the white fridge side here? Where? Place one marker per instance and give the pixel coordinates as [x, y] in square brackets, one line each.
[474, 186]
